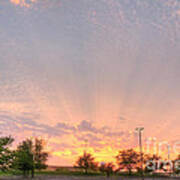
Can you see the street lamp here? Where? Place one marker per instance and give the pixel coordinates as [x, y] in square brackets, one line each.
[139, 130]
[169, 152]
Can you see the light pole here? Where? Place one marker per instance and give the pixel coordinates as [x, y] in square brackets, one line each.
[139, 130]
[169, 152]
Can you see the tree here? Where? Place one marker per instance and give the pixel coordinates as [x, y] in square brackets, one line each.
[30, 156]
[6, 155]
[24, 157]
[152, 163]
[128, 160]
[176, 165]
[107, 168]
[40, 156]
[86, 162]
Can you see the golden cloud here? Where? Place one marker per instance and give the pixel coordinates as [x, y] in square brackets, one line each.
[23, 2]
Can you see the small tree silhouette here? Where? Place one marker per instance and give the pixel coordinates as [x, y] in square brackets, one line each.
[128, 160]
[176, 165]
[40, 156]
[151, 163]
[86, 162]
[107, 168]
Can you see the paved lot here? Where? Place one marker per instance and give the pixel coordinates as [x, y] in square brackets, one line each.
[98, 178]
[84, 178]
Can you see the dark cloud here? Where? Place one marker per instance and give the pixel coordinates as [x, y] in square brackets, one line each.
[65, 126]
[122, 118]
[29, 122]
[87, 126]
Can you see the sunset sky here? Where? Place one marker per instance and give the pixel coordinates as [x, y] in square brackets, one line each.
[83, 74]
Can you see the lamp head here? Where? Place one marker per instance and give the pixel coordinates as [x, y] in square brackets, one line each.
[139, 129]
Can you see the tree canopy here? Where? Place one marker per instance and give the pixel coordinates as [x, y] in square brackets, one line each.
[6, 155]
[128, 159]
[86, 162]
[30, 155]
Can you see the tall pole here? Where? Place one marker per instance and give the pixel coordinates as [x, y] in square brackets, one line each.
[141, 152]
[169, 157]
[139, 130]
[169, 152]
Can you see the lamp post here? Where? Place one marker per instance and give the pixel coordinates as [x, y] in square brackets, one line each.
[169, 152]
[139, 130]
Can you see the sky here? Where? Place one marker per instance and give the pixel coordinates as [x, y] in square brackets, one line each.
[83, 74]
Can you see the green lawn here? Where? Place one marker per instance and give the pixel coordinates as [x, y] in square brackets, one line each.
[61, 173]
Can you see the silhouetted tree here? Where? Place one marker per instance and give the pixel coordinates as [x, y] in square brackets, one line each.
[128, 160]
[151, 163]
[107, 168]
[24, 157]
[40, 156]
[6, 155]
[86, 162]
[30, 156]
[176, 165]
